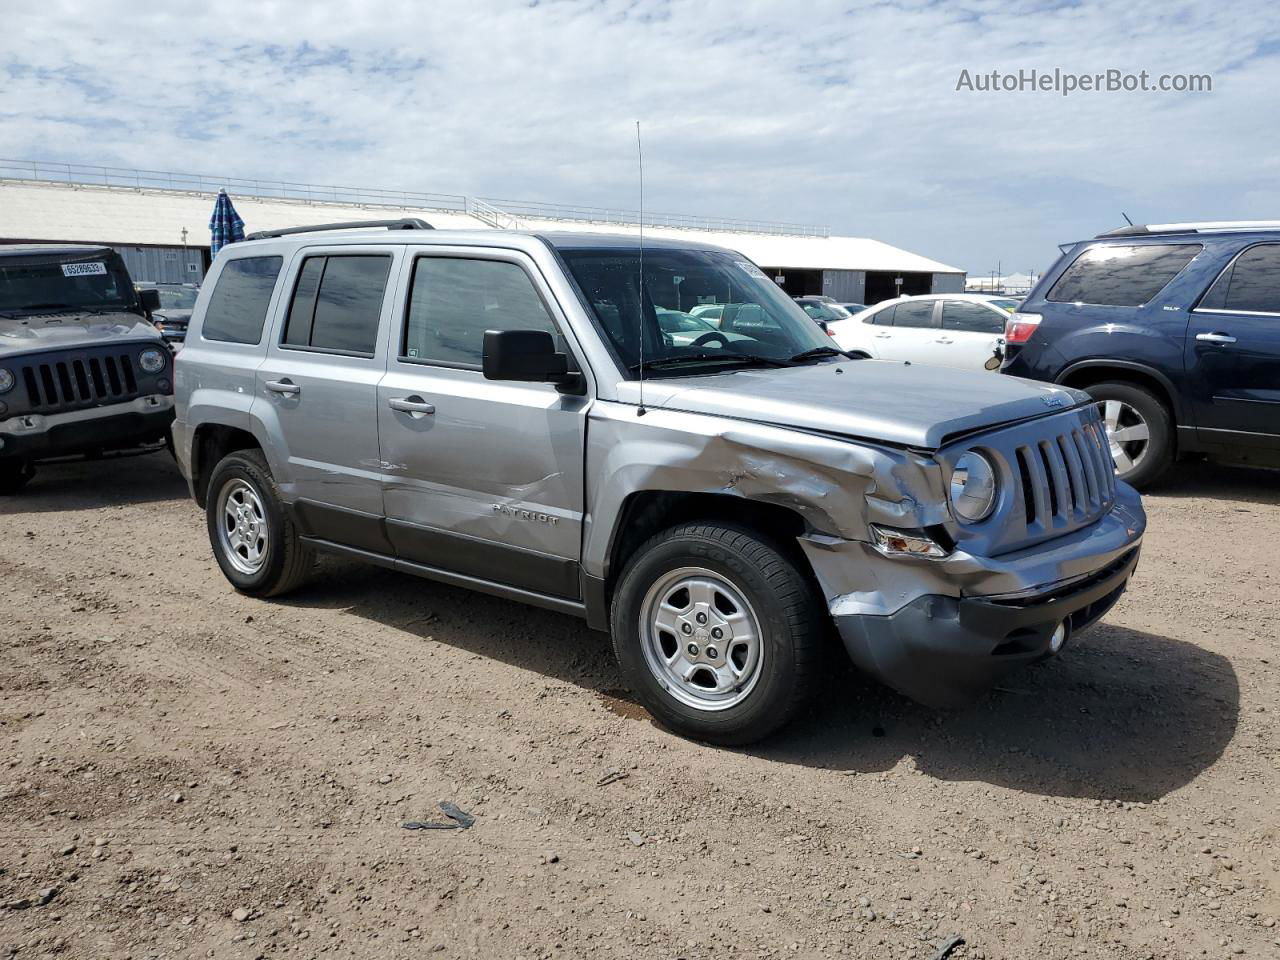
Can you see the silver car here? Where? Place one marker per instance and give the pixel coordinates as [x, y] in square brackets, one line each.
[505, 411]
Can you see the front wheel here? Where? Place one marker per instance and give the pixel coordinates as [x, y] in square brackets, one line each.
[1139, 428]
[718, 632]
[253, 539]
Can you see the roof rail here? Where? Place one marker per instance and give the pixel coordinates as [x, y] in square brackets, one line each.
[404, 223]
[1207, 226]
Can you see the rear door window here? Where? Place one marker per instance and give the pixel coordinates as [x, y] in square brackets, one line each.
[1251, 284]
[1122, 275]
[970, 317]
[914, 313]
[238, 306]
[337, 303]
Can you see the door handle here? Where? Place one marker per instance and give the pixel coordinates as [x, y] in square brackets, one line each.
[944, 340]
[287, 387]
[415, 405]
[1216, 337]
[883, 336]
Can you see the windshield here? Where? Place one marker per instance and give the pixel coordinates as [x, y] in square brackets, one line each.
[40, 283]
[177, 298]
[701, 310]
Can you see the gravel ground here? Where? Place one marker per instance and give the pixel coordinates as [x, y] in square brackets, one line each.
[186, 772]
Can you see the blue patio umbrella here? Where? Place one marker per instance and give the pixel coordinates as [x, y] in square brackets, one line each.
[225, 226]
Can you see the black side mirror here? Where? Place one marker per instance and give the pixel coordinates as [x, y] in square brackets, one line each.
[526, 355]
[149, 297]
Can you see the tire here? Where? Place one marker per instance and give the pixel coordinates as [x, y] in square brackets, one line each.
[1139, 461]
[745, 586]
[14, 476]
[262, 555]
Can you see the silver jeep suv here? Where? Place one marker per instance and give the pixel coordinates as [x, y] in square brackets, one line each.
[505, 411]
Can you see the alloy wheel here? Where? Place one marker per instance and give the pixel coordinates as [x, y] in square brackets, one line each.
[701, 639]
[243, 533]
[1128, 433]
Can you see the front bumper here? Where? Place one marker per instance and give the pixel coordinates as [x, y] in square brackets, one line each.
[943, 651]
[943, 631]
[118, 426]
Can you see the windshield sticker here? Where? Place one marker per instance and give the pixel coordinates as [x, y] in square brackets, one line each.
[84, 269]
[750, 269]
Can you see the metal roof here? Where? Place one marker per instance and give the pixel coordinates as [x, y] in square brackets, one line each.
[34, 210]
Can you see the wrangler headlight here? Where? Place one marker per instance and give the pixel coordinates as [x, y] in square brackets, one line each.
[151, 361]
[6, 380]
[974, 487]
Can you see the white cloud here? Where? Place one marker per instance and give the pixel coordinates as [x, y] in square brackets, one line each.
[750, 108]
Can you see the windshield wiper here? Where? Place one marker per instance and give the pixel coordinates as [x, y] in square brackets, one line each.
[696, 358]
[818, 352]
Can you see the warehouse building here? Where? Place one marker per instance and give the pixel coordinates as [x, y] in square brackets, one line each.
[159, 223]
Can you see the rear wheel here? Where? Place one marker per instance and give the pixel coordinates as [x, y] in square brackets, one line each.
[254, 541]
[718, 632]
[1139, 428]
[14, 475]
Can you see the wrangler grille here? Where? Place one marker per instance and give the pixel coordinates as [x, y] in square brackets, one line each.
[83, 381]
[1068, 479]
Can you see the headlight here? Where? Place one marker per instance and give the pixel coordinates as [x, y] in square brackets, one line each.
[973, 487]
[6, 380]
[151, 361]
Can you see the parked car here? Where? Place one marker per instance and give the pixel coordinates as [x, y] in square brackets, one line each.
[941, 329]
[1175, 330]
[82, 370]
[502, 411]
[684, 329]
[177, 300]
[823, 310]
[853, 307]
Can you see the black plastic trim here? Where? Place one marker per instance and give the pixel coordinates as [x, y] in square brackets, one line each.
[559, 604]
[494, 562]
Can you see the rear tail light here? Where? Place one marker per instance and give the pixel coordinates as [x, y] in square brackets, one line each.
[1020, 327]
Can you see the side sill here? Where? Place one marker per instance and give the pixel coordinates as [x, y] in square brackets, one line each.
[559, 604]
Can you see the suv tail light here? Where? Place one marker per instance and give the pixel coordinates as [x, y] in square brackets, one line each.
[1020, 326]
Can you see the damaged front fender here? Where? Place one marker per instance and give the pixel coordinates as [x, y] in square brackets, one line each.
[836, 486]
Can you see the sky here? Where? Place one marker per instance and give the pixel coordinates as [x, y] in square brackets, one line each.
[841, 114]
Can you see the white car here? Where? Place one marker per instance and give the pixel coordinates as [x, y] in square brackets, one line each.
[939, 329]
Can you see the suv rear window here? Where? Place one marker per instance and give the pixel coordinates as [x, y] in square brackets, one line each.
[1251, 284]
[1120, 275]
[337, 303]
[238, 307]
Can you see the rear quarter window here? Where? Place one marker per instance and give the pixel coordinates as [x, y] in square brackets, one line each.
[1122, 275]
[238, 305]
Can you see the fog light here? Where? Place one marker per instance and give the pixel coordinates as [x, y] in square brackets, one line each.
[905, 543]
[1059, 637]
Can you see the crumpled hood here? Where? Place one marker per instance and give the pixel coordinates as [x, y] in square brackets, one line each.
[63, 330]
[899, 403]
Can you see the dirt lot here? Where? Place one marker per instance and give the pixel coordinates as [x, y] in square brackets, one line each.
[186, 772]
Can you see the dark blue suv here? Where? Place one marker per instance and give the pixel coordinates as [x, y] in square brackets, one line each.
[1175, 329]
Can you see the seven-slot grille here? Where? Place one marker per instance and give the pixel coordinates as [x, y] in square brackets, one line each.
[85, 380]
[1068, 479]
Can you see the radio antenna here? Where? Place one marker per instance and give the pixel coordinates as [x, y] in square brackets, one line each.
[640, 325]
[1126, 218]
